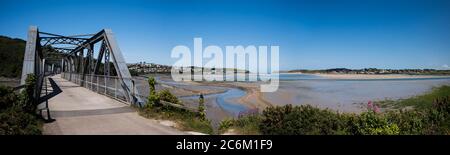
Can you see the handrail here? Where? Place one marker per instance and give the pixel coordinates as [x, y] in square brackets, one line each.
[18, 87]
[92, 80]
[37, 92]
[178, 106]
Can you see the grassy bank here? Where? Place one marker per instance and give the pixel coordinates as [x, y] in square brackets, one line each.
[424, 101]
[186, 120]
[248, 125]
[429, 114]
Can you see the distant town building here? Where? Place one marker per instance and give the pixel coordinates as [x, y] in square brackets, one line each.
[145, 68]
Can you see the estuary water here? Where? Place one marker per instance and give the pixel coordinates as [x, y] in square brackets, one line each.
[225, 100]
[346, 95]
[343, 95]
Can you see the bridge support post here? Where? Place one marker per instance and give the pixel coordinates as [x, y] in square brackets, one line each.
[30, 65]
[121, 68]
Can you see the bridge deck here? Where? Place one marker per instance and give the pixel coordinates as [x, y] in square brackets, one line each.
[80, 111]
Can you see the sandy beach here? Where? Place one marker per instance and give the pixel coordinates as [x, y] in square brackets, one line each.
[253, 97]
[377, 76]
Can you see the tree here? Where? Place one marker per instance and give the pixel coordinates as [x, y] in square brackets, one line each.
[11, 56]
[165, 95]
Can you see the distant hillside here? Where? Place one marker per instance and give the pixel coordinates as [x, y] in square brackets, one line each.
[374, 71]
[11, 56]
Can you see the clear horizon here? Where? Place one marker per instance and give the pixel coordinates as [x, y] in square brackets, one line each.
[311, 34]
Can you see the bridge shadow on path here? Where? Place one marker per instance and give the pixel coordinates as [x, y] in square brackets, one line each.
[80, 111]
[55, 91]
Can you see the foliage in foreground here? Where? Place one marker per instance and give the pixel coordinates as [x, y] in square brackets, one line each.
[247, 125]
[187, 120]
[15, 121]
[308, 120]
[17, 113]
[165, 95]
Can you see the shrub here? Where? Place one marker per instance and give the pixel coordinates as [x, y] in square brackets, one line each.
[187, 120]
[27, 95]
[153, 98]
[17, 115]
[252, 111]
[224, 125]
[438, 116]
[152, 83]
[304, 119]
[203, 126]
[442, 107]
[15, 121]
[369, 123]
[431, 115]
[165, 95]
[409, 122]
[7, 98]
[273, 119]
[248, 125]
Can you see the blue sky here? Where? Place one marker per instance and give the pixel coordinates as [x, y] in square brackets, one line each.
[311, 34]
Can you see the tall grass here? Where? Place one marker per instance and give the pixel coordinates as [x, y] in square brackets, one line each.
[186, 120]
[424, 101]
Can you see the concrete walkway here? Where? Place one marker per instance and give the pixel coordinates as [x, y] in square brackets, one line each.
[79, 111]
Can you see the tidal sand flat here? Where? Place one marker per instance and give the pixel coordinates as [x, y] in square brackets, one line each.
[343, 93]
[346, 95]
[219, 100]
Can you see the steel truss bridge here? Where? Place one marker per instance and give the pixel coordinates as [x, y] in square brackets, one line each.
[93, 61]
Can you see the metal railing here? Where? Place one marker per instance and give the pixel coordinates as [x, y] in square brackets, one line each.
[106, 85]
[110, 86]
[165, 103]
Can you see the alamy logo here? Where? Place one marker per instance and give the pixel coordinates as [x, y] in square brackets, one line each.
[240, 63]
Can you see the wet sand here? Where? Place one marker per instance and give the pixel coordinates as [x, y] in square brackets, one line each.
[347, 95]
[252, 99]
[184, 89]
[319, 90]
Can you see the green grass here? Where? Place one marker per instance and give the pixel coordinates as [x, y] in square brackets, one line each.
[424, 101]
[247, 125]
[186, 120]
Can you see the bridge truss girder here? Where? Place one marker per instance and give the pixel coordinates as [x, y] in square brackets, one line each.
[79, 58]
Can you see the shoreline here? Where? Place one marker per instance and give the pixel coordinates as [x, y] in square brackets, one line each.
[255, 99]
[377, 76]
